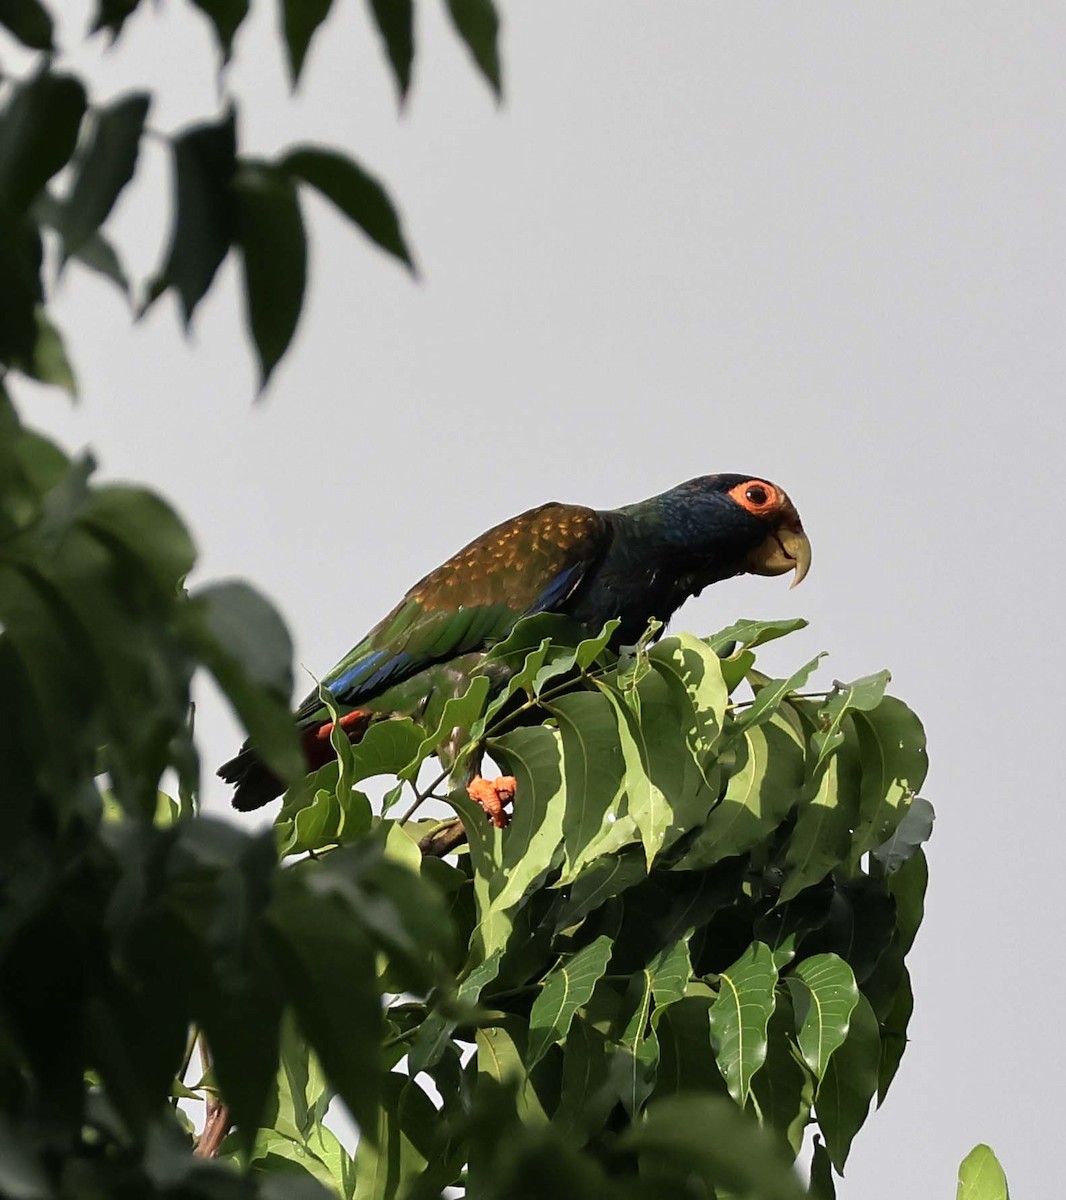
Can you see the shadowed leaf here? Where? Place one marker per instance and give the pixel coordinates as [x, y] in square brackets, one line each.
[270, 232]
[301, 19]
[104, 170]
[395, 22]
[478, 25]
[205, 158]
[38, 131]
[29, 21]
[565, 990]
[849, 1083]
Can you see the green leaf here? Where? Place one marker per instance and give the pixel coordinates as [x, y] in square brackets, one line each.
[508, 861]
[647, 725]
[49, 363]
[104, 169]
[711, 1137]
[747, 634]
[669, 969]
[894, 1035]
[864, 694]
[38, 132]
[581, 657]
[20, 268]
[459, 712]
[29, 21]
[205, 159]
[849, 1083]
[226, 16]
[687, 662]
[478, 25]
[244, 643]
[327, 964]
[408, 1155]
[686, 1055]
[355, 192]
[501, 1056]
[270, 232]
[894, 764]
[783, 1090]
[740, 1016]
[607, 876]
[638, 1047]
[143, 527]
[395, 22]
[981, 1177]
[301, 19]
[765, 783]
[824, 994]
[566, 988]
[770, 694]
[915, 827]
[592, 765]
[822, 835]
[821, 1184]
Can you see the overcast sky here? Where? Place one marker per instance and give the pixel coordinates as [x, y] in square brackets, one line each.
[820, 242]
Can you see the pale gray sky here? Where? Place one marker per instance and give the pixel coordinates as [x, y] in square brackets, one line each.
[824, 243]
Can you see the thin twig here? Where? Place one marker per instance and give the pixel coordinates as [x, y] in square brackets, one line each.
[422, 797]
[217, 1123]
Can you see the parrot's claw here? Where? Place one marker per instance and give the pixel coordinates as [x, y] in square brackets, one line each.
[492, 795]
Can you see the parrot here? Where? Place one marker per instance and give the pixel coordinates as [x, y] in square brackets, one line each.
[635, 563]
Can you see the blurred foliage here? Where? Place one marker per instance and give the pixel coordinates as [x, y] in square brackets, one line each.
[685, 951]
[65, 161]
[683, 958]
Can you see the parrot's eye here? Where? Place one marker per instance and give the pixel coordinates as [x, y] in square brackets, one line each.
[756, 496]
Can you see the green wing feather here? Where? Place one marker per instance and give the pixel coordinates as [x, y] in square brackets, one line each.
[528, 564]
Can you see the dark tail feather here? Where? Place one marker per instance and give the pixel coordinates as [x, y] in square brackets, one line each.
[256, 784]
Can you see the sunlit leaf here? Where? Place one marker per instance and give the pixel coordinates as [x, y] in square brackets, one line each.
[593, 766]
[740, 1016]
[824, 994]
[981, 1177]
[862, 695]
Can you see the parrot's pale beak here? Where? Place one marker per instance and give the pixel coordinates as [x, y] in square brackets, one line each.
[786, 549]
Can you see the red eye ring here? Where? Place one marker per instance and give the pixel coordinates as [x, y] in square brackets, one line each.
[756, 496]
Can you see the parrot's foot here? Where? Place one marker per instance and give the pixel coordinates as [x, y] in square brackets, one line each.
[492, 795]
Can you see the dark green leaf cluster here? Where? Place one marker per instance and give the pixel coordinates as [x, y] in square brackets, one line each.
[701, 893]
[221, 202]
[127, 923]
